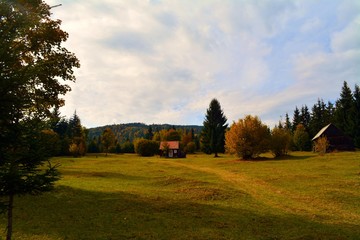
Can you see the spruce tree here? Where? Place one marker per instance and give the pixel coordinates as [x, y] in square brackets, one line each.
[213, 134]
[296, 119]
[345, 111]
[287, 122]
[357, 116]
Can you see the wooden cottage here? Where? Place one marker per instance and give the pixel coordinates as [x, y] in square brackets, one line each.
[336, 138]
[170, 149]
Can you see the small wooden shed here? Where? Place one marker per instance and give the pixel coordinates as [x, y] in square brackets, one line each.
[336, 138]
[170, 149]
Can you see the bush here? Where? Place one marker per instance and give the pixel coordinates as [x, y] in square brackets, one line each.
[247, 138]
[280, 141]
[145, 147]
[127, 147]
[190, 147]
[321, 145]
[301, 138]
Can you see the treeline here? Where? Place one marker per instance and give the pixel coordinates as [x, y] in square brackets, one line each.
[126, 136]
[344, 113]
[249, 137]
[65, 136]
[69, 137]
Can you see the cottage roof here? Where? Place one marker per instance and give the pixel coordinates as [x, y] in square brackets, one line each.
[170, 145]
[321, 132]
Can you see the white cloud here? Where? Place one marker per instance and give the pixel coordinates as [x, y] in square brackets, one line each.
[163, 61]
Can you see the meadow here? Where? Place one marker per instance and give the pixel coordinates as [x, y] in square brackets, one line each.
[301, 196]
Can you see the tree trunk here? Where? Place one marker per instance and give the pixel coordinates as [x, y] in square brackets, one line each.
[10, 216]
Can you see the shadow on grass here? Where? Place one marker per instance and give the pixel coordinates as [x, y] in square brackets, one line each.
[69, 213]
[293, 156]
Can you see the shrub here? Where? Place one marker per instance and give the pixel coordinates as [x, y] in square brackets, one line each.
[190, 147]
[321, 145]
[301, 138]
[247, 138]
[145, 147]
[127, 147]
[280, 141]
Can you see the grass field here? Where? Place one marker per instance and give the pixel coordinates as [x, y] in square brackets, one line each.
[303, 196]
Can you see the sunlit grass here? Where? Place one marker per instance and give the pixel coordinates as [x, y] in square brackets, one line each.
[303, 196]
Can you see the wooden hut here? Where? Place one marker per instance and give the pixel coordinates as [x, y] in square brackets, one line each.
[171, 149]
[336, 138]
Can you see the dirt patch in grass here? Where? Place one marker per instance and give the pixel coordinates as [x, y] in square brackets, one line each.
[173, 180]
[204, 193]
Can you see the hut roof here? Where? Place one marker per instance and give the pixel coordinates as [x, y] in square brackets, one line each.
[329, 130]
[170, 145]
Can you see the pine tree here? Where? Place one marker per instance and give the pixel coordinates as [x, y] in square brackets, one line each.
[77, 136]
[149, 135]
[213, 134]
[287, 122]
[296, 119]
[318, 118]
[305, 117]
[345, 111]
[357, 116]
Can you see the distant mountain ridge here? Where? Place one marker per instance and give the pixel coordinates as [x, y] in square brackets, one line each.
[130, 131]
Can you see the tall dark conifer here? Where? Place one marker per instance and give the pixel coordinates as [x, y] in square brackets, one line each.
[344, 112]
[287, 122]
[296, 119]
[305, 117]
[357, 116]
[213, 134]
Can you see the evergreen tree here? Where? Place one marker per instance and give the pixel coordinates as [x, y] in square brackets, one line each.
[305, 117]
[75, 129]
[149, 135]
[319, 117]
[296, 119]
[77, 135]
[345, 111]
[357, 116]
[287, 122]
[213, 134]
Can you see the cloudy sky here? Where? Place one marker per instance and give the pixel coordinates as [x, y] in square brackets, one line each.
[162, 61]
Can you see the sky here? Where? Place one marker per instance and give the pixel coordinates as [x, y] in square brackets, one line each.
[163, 61]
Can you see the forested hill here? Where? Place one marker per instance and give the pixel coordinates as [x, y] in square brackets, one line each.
[131, 131]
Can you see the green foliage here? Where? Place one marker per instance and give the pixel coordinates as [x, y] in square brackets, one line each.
[190, 147]
[247, 138]
[357, 116]
[51, 142]
[145, 147]
[280, 141]
[345, 115]
[131, 131]
[127, 147]
[213, 133]
[172, 135]
[107, 139]
[301, 138]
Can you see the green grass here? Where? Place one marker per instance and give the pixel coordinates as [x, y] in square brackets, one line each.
[303, 196]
